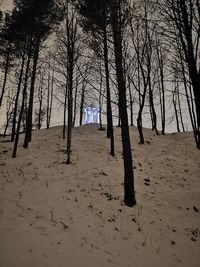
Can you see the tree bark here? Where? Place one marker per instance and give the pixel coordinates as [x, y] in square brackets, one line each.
[110, 133]
[82, 103]
[65, 111]
[28, 134]
[5, 77]
[17, 96]
[129, 193]
[23, 101]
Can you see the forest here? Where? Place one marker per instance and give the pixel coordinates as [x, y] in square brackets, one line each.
[138, 64]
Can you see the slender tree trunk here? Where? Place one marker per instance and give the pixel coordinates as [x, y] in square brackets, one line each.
[40, 103]
[141, 99]
[8, 119]
[119, 117]
[176, 113]
[180, 111]
[100, 110]
[23, 101]
[28, 134]
[65, 110]
[154, 117]
[5, 78]
[48, 97]
[139, 118]
[70, 111]
[51, 100]
[18, 126]
[162, 102]
[129, 192]
[82, 103]
[100, 101]
[162, 89]
[75, 102]
[110, 132]
[131, 101]
[17, 96]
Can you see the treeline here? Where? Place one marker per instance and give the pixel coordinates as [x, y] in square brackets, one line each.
[134, 59]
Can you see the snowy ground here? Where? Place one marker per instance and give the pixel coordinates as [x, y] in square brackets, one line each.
[53, 214]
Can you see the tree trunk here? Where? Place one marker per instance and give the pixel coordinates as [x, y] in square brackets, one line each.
[75, 102]
[82, 103]
[180, 111]
[100, 101]
[188, 48]
[131, 101]
[28, 134]
[5, 77]
[129, 193]
[154, 117]
[48, 97]
[189, 101]
[51, 99]
[17, 96]
[23, 101]
[70, 111]
[40, 103]
[162, 89]
[110, 133]
[65, 110]
[176, 113]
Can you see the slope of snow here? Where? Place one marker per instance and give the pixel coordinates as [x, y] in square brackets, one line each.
[53, 214]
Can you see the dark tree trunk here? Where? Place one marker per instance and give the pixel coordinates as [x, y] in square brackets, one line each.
[162, 102]
[65, 111]
[129, 192]
[154, 117]
[82, 103]
[186, 37]
[180, 112]
[23, 101]
[17, 97]
[162, 89]
[8, 119]
[28, 133]
[48, 97]
[189, 102]
[176, 113]
[5, 77]
[119, 117]
[100, 101]
[131, 101]
[19, 125]
[51, 100]
[70, 111]
[40, 104]
[139, 118]
[139, 126]
[75, 102]
[110, 132]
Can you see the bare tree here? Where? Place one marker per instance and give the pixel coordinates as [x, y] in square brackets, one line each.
[183, 17]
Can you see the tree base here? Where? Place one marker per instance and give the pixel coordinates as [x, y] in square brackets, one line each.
[130, 202]
[25, 145]
[68, 161]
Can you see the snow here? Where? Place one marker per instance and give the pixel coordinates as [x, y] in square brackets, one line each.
[53, 214]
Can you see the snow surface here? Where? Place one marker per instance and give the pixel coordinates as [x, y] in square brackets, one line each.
[53, 214]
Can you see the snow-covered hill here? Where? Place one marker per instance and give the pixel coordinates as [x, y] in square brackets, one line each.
[53, 214]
